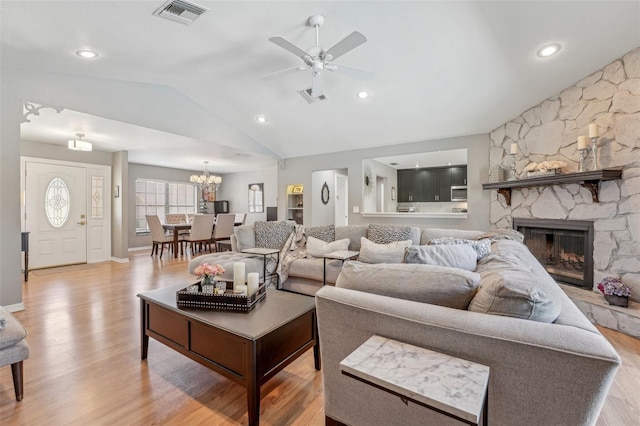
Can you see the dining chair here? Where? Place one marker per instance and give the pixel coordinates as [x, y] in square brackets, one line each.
[200, 231]
[176, 218]
[223, 230]
[158, 236]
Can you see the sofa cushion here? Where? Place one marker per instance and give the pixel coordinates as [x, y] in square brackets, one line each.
[517, 293]
[272, 235]
[384, 234]
[245, 236]
[429, 234]
[482, 247]
[318, 248]
[461, 256]
[325, 233]
[371, 252]
[436, 285]
[353, 233]
[313, 269]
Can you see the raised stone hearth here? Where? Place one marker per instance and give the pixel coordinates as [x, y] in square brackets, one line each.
[596, 308]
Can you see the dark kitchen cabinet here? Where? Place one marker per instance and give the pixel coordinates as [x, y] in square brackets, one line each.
[458, 175]
[429, 184]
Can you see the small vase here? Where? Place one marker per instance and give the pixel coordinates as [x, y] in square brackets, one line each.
[206, 281]
[622, 301]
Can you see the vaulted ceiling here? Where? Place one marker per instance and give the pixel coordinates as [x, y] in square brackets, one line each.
[188, 93]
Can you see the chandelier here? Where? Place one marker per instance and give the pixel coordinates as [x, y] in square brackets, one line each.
[206, 181]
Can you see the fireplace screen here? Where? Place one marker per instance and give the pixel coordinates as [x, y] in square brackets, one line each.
[565, 253]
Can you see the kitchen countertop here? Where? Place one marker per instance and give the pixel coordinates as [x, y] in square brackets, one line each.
[438, 215]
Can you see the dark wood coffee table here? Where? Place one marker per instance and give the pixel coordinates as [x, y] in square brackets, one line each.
[246, 347]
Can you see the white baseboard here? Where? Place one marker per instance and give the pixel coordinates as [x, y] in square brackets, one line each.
[15, 307]
[139, 248]
[120, 260]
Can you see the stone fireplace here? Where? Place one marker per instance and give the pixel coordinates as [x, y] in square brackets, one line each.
[609, 98]
[563, 247]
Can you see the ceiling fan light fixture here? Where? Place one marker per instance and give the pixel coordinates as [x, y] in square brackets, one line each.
[87, 54]
[548, 50]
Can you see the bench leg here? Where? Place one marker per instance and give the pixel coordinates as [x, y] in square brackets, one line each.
[16, 371]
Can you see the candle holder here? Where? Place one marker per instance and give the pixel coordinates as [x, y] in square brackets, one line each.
[594, 151]
[513, 168]
[583, 155]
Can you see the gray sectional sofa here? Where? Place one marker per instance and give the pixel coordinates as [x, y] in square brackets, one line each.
[548, 364]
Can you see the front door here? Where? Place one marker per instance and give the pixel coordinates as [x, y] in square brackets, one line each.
[56, 214]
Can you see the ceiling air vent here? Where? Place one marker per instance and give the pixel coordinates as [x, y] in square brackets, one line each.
[180, 11]
[306, 95]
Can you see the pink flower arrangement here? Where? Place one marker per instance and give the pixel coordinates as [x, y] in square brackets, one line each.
[611, 286]
[206, 270]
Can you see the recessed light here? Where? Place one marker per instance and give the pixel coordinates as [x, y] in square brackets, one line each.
[262, 119]
[549, 50]
[363, 94]
[87, 54]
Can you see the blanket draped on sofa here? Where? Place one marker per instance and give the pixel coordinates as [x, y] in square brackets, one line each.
[293, 248]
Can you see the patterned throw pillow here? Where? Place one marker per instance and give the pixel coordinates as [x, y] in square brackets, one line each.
[325, 233]
[271, 235]
[482, 247]
[385, 234]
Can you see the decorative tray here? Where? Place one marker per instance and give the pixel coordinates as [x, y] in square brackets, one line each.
[550, 172]
[191, 297]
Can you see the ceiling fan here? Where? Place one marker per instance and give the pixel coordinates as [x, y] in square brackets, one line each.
[318, 59]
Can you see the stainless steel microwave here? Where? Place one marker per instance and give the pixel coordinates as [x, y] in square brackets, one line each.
[459, 193]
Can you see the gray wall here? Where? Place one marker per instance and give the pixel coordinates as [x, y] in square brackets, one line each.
[298, 170]
[235, 189]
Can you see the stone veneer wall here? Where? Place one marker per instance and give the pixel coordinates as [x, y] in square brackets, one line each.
[611, 98]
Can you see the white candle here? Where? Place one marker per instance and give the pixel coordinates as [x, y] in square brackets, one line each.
[252, 283]
[593, 130]
[582, 142]
[238, 274]
[514, 148]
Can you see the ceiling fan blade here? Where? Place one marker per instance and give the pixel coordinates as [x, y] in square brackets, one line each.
[351, 72]
[348, 43]
[283, 72]
[287, 45]
[317, 89]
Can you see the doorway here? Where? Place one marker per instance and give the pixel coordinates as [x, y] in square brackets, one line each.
[67, 212]
[342, 200]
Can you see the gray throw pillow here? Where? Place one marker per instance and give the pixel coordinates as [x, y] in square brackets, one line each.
[385, 234]
[461, 256]
[325, 233]
[371, 252]
[482, 247]
[272, 235]
[435, 285]
[518, 293]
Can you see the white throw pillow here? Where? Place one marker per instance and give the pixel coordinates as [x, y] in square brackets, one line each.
[371, 252]
[318, 248]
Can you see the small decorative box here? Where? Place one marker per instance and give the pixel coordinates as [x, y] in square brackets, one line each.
[192, 297]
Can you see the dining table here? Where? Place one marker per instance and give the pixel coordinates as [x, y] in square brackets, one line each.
[176, 228]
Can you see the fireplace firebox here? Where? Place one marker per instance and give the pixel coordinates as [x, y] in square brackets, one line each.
[563, 247]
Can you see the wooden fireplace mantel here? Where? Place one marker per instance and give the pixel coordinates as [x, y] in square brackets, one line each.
[590, 180]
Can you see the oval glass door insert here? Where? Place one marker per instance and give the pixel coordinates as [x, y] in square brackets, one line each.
[57, 203]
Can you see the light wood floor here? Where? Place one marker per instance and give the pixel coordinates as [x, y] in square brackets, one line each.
[85, 365]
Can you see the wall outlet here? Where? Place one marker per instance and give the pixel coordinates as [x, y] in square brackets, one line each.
[356, 209]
